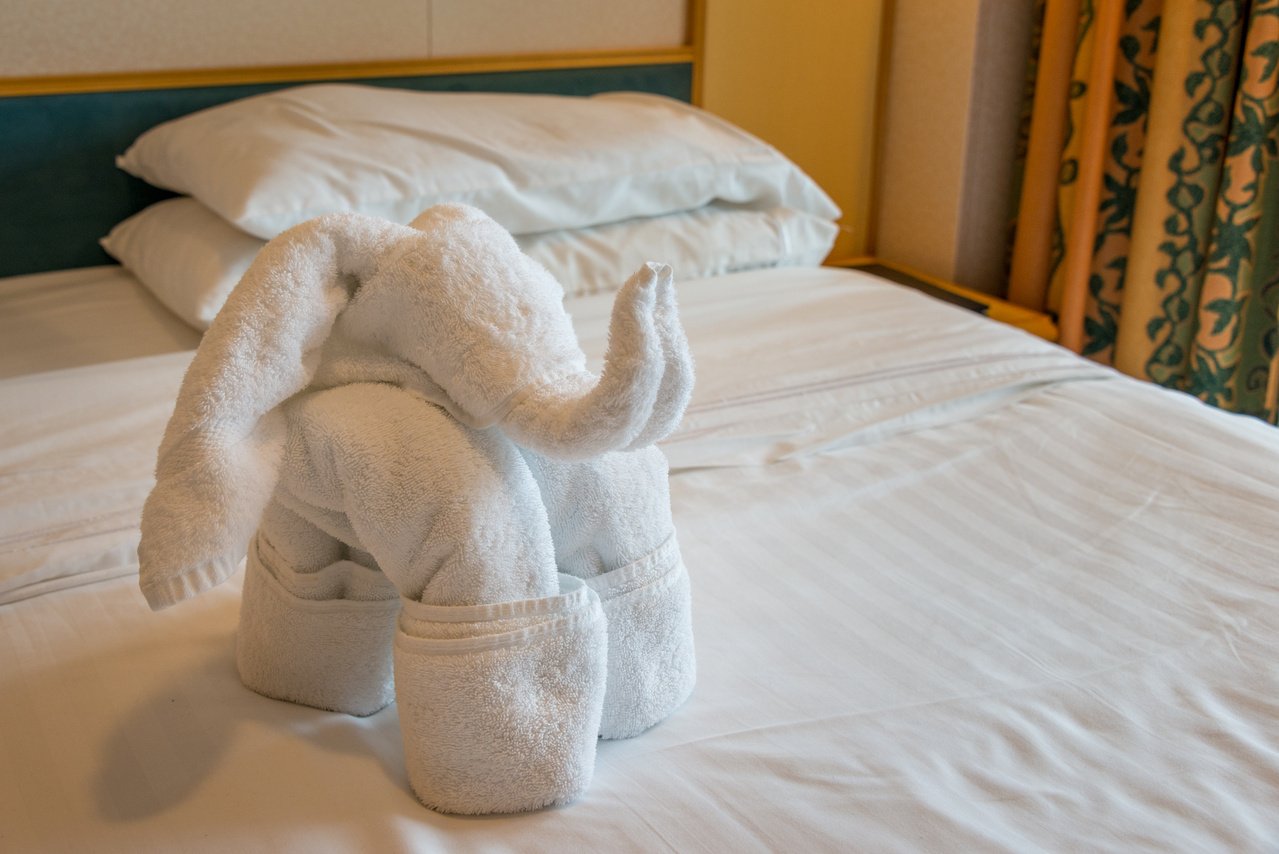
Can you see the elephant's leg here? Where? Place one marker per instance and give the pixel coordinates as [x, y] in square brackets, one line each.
[316, 549]
[611, 525]
[315, 628]
[499, 660]
[607, 512]
[300, 545]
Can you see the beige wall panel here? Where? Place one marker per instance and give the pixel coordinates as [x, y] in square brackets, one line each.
[802, 77]
[57, 37]
[950, 129]
[986, 202]
[929, 83]
[477, 27]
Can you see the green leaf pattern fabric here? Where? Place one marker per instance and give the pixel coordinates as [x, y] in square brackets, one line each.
[1183, 288]
[1134, 74]
[1233, 353]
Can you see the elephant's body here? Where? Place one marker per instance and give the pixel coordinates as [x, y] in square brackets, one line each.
[453, 515]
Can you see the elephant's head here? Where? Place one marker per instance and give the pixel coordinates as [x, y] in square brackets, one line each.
[448, 308]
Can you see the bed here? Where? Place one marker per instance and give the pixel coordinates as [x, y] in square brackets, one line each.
[954, 589]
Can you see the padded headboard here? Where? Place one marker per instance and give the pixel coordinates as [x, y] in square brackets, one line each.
[60, 190]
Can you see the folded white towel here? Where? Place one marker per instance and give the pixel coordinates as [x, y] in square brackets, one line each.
[451, 515]
[216, 467]
[651, 664]
[500, 704]
[611, 525]
[382, 384]
[330, 652]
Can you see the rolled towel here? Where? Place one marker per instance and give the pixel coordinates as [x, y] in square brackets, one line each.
[651, 665]
[321, 639]
[500, 704]
[611, 525]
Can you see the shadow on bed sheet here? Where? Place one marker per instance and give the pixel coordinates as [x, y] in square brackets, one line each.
[170, 744]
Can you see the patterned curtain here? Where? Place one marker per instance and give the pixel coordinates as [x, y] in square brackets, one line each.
[1150, 204]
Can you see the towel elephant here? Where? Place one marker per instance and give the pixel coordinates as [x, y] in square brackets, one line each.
[397, 424]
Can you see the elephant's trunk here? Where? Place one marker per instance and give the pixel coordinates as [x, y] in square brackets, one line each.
[641, 393]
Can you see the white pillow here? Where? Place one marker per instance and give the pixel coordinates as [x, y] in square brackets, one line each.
[533, 162]
[185, 255]
[191, 259]
[709, 241]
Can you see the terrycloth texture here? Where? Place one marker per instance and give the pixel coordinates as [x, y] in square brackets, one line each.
[328, 652]
[449, 310]
[676, 387]
[451, 515]
[611, 525]
[651, 664]
[216, 465]
[500, 705]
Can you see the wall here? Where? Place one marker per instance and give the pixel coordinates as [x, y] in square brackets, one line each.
[56, 37]
[802, 76]
[954, 89]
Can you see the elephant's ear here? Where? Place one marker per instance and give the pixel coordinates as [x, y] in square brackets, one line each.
[219, 460]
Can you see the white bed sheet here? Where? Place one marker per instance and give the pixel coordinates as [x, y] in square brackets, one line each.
[69, 318]
[954, 590]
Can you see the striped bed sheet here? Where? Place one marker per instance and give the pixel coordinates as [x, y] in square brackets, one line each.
[954, 589]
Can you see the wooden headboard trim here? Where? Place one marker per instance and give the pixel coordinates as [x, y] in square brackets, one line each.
[205, 77]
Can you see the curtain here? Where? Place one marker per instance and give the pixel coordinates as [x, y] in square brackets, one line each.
[1149, 214]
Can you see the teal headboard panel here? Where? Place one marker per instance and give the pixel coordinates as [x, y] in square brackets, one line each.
[60, 190]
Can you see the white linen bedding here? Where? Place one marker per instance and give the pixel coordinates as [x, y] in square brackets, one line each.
[954, 589]
[50, 321]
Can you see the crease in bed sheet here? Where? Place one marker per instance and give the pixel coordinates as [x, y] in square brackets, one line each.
[823, 359]
[827, 417]
[77, 452]
[774, 350]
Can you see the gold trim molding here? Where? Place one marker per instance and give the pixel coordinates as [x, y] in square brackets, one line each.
[190, 78]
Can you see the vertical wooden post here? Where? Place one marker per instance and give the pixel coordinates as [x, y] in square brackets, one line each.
[1082, 232]
[1037, 211]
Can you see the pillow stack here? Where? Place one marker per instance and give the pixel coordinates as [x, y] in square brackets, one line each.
[591, 187]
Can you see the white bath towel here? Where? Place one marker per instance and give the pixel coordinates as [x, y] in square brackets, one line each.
[500, 705]
[216, 466]
[651, 663]
[452, 515]
[321, 638]
[611, 526]
[375, 379]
